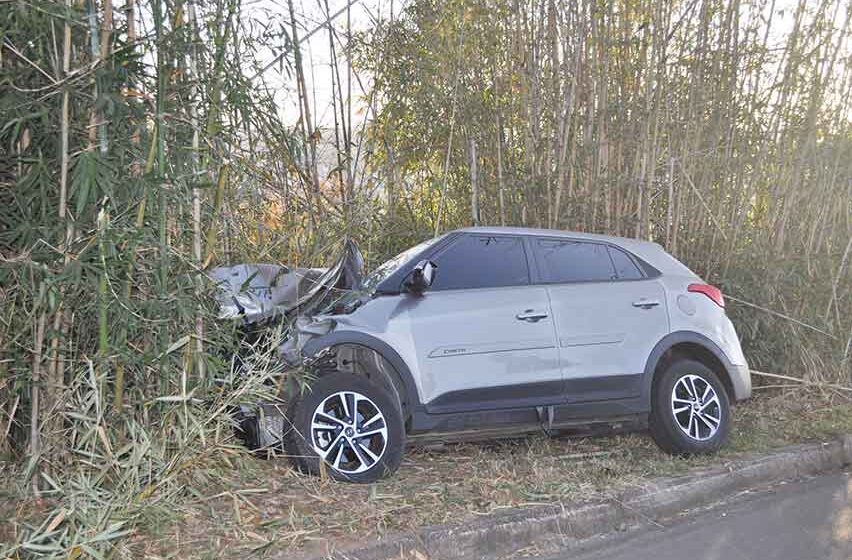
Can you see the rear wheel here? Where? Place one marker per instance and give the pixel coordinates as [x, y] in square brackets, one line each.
[690, 412]
[349, 424]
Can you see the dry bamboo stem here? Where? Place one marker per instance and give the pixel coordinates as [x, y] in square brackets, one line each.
[777, 314]
[308, 132]
[501, 189]
[452, 129]
[36, 412]
[800, 380]
[196, 190]
[474, 184]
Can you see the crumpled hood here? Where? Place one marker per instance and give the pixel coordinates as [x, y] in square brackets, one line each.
[255, 292]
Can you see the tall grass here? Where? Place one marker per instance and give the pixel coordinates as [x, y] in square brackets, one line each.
[127, 471]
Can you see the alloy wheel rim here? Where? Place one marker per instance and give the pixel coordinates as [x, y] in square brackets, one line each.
[349, 432]
[696, 407]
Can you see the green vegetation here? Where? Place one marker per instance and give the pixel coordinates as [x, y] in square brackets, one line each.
[142, 143]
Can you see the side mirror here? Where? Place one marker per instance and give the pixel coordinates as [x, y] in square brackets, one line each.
[421, 277]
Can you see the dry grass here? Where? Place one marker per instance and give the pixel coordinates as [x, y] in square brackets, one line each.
[269, 506]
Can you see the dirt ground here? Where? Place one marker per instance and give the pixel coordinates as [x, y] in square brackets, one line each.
[267, 505]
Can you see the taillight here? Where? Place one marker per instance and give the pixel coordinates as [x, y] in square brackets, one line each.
[712, 292]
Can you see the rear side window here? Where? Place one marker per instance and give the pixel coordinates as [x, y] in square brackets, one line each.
[625, 268]
[481, 261]
[573, 261]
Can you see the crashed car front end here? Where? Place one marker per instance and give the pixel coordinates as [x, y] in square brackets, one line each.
[302, 300]
[333, 320]
[254, 293]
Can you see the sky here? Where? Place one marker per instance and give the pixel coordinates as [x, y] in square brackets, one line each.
[311, 17]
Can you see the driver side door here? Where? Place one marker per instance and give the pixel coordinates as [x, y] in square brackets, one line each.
[483, 335]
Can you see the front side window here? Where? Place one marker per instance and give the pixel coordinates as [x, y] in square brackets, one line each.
[481, 261]
[384, 270]
[573, 261]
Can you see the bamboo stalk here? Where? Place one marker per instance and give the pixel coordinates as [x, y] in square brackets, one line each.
[347, 125]
[105, 52]
[337, 102]
[35, 403]
[443, 193]
[500, 185]
[55, 365]
[800, 380]
[836, 283]
[103, 302]
[160, 178]
[217, 207]
[309, 135]
[196, 190]
[781, 315]
[474, 184]
[95, 53]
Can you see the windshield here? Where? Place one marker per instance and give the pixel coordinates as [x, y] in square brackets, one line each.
[349, 300]
[390, 266]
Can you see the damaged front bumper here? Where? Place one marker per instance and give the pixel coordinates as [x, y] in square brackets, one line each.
[263, 295]
[256, 293]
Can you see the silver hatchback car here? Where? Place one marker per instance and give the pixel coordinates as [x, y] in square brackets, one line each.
[491, 330]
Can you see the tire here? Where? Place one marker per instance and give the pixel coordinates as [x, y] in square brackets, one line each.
[324, 428]
[682, 423]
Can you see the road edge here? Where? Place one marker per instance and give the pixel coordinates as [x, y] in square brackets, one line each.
[503, 533]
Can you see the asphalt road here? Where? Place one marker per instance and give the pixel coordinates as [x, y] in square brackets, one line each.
[802, 520]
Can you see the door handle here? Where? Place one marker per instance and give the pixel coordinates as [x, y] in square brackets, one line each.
[646, 303]
[531, 316]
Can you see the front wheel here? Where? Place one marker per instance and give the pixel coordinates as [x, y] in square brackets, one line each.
[349, 424]
[690, 412]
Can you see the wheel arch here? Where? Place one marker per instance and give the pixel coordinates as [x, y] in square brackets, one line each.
[689, 345]
[400, 375]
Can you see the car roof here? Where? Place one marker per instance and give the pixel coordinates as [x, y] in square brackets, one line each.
[650, 252]
[506, 230]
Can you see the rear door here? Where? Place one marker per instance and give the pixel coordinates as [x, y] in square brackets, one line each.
[483, 335]
[608, 316]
